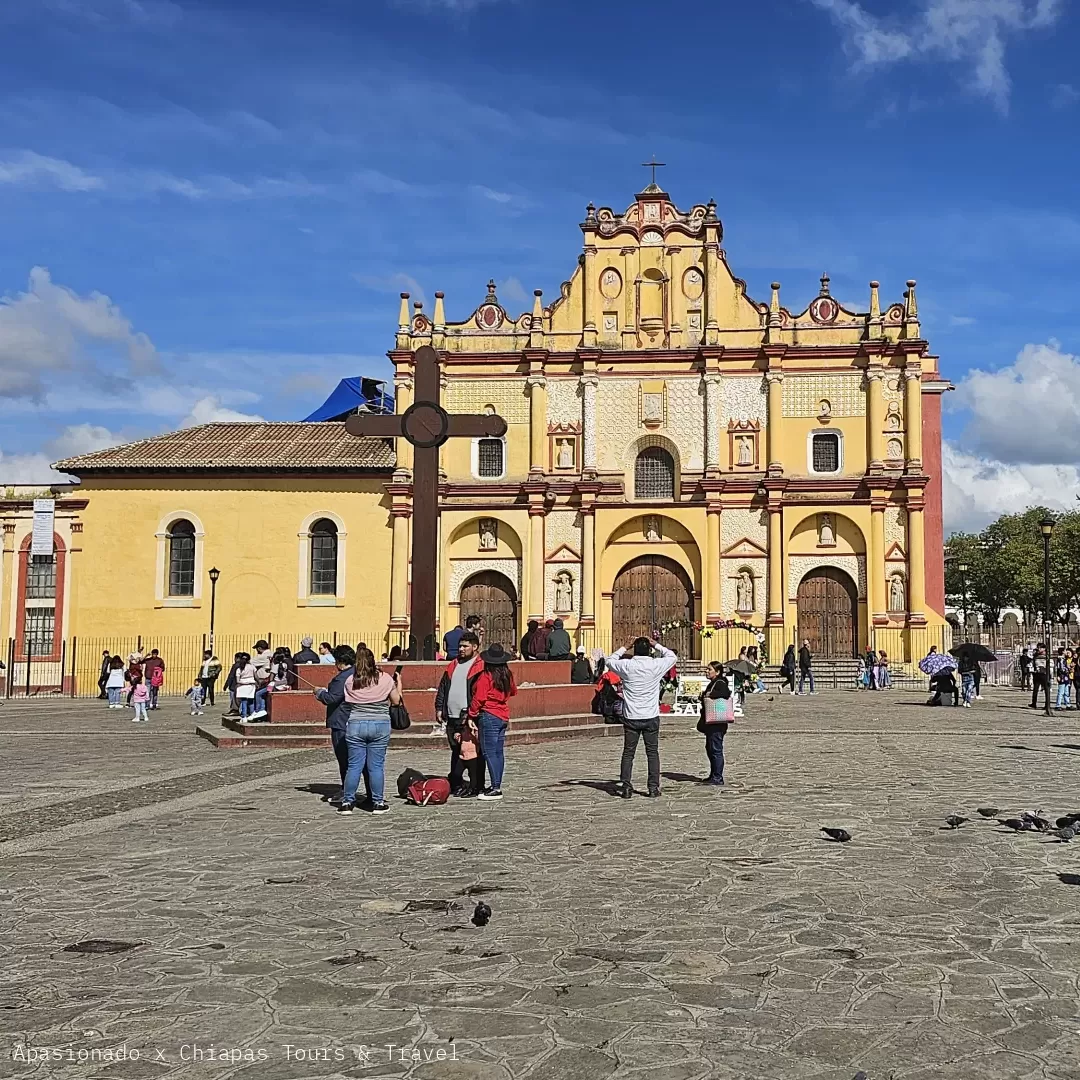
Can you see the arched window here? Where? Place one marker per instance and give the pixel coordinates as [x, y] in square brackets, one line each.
[654, 474]
[324, 558]
[181, 538]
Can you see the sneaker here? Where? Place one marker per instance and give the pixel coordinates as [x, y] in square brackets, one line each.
[256, 715]
[715, 783]
[135, 720]
[439, 728]
[490, 794]
[978, 697]
[380, 808]
[967, 704]
[345, 808]
[335, 800]
[813, 693]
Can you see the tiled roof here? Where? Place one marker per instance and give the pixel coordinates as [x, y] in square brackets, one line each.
[242, 446]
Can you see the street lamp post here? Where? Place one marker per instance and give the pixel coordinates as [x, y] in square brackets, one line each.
[1046, 527]
[215, 573]
[963, 568]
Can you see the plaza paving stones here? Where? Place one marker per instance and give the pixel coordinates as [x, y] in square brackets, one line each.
[705, 934]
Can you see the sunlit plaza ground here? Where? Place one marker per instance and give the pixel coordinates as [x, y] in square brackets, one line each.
[705, 934]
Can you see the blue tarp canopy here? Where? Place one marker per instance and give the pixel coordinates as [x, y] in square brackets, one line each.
[354, 395]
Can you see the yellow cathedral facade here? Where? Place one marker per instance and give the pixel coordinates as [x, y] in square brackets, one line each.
[679, 457]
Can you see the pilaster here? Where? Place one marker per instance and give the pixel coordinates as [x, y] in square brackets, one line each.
[774, 426]
[588, 561]
[877, 598]
[537, 385]
[713, 581]
[535, 600]
[400, 513]
[875, 418]
[916, 539]
[913, 417]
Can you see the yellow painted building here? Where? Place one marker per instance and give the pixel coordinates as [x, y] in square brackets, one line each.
[676, 452]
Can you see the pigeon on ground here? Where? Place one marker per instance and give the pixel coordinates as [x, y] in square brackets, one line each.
[481, 914]
[841, 836]
[988, 811]
[1066, 833]
[1013, 823]
[1064, 822]
[954, 821]
[860, 1075]
[1039, 823]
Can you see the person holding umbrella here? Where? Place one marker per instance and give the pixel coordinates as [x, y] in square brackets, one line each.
[741, 669]
[968, 657]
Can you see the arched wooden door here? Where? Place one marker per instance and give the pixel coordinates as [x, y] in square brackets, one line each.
[492, 596]
[829, 612]
[649, 592]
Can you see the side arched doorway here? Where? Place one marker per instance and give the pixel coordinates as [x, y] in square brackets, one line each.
[828, 604]
[492, 596]
[650, 591]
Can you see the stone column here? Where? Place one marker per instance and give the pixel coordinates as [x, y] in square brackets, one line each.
[399, 567]
[588, 566]
[876, 600]
[774, 423]
[630, 273]
[776, 566]
[913, 417]
[536, 600]
[537, 423]
[589, 383]
[713, 579]
[916, 564]
[712, 424]
[875, 418]
[589, 293]
[7, 593]
[712, 293]
[403, 396]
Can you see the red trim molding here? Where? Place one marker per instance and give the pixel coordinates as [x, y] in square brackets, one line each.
[58, 602]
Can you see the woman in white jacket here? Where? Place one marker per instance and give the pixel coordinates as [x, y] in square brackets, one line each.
[246, 685]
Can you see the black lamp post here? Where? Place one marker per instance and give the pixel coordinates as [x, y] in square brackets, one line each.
[963, 568]
[215, 573]
[1046, 527]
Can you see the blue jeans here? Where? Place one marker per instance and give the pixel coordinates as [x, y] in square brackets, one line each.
[260, 699]
[968, 686]
[492, 740]
[1063, 695]
[114, 694]
[367, 741]
[247, 706]
[803, 676]
[714, 748]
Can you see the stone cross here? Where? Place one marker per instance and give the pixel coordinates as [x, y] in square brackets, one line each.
[426, 425]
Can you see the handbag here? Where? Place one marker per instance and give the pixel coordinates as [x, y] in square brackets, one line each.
[399, 718]
[719, 711]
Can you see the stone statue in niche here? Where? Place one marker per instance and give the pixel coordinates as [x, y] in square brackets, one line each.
[746, 450]
[824, 409]
[489, 534]
[564, 592]
[652, 529]
[565, 458]
[897, 594]
[892, 422]
[895, 449]
[826, 534]
[652, 408]
[744, 591]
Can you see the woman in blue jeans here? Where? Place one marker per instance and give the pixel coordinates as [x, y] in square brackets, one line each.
[716, 690]
[369, 693]
[489, 710]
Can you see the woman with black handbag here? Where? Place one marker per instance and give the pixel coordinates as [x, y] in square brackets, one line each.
[716, 714]
[370, 694]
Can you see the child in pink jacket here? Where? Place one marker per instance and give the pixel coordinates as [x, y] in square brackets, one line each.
[140, 695]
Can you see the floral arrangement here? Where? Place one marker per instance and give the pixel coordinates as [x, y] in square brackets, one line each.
[706, 630]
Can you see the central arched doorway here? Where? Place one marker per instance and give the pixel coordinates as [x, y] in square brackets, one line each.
[492, 596]
[650, 591]
[828, 604]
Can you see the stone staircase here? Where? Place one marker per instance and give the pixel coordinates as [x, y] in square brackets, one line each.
[547, 707]
[842, 675]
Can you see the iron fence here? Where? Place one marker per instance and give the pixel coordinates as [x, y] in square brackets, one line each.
[76, 670]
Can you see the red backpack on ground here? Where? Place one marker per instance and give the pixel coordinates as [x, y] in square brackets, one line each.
[432, 792]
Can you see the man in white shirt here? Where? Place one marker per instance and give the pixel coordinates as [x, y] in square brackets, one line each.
[641, 675]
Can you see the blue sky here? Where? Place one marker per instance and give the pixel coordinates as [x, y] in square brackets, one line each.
[208, 207]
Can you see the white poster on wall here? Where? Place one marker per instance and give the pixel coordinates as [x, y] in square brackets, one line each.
[41, 540]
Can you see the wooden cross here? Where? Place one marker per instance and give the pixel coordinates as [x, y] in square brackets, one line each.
[426, 425]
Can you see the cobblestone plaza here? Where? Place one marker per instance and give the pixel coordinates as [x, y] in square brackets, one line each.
[705, 934]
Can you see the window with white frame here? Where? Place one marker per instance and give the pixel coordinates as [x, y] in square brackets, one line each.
[825, 452]
[324, 558]
[489, 459]
[181, 558]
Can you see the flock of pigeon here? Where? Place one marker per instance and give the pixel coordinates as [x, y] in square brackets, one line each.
[1064, 828]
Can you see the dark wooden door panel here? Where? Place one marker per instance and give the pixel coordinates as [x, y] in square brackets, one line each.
[492, 596]
[828, 611]
[649, 592]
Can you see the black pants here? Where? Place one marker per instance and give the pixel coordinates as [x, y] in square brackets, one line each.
[1039, 682]
[1025, 679]
[649, 730]
[102, 680]
[208, 690]
[977, 673]
[459, 766]
[789, 679]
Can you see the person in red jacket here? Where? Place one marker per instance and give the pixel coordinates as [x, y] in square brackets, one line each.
[451, 708]
[489, 709]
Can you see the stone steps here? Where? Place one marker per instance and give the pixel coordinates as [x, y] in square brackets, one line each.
[522, 731]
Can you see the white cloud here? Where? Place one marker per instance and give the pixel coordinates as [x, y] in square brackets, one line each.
[27, 169]
[490, 193]
[82, 439]
[456, 7]
[28, 469]
[961, 320]
[512, 289]
[210, 410]
[970, 32]
[1026, 412]
[1064, 96]
[49, 332]
[976, 490]
[395, 282]
[36, 468]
